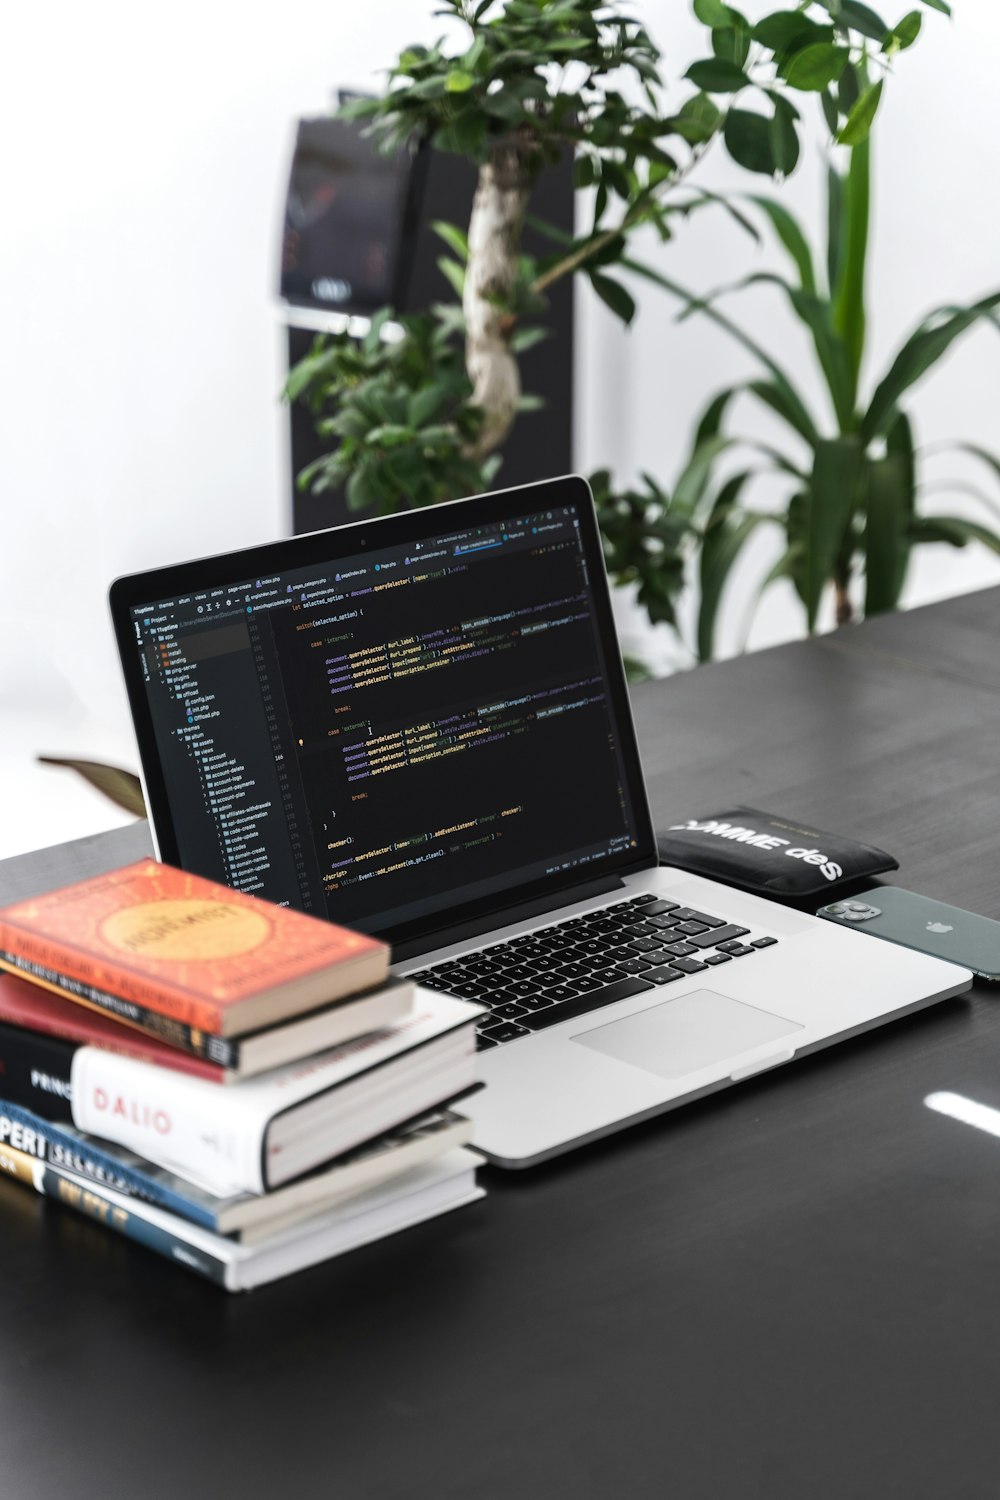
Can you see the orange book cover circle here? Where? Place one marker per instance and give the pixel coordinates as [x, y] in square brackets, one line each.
[186, 931]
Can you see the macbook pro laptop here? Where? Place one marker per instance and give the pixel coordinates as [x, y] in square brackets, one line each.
[419, 727]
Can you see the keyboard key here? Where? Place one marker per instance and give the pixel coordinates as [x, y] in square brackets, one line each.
[662, 974]
[592, 945]
[623, 990]
[642, 900]
[520, 987]
[729, 946]
[717, 958]
[686, 914]
[719, 937]
[482, 1042]
[600, 961]
[588, 984]
[536, 1002]
[764, 942]
[644, 945]
[662, 922]
[574, 971]
[688, 965]
[680, 950]
[469, 991]
[635, 965]
[518, 971]
[737, 950]
[506, 1031]
[441, 986]
[547, 963]
[511, 1011]
[703, 916]
[691, 929]
[559, 992]
[656, 908]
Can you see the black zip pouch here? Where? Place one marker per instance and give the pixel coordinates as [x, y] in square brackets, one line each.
[769, 855]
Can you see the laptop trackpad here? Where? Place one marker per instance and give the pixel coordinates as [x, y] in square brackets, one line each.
[680, 1036]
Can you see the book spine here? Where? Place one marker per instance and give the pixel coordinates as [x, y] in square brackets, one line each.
[182, 1124]
[24, 1131]
[95, 1204]
[35, 1071]
[201, 1044]
[17, 944]
[52, 1182]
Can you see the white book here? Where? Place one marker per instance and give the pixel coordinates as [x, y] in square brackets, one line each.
[416, 1195]
[265, 1131]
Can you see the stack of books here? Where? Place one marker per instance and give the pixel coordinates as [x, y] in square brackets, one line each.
[239, 1086]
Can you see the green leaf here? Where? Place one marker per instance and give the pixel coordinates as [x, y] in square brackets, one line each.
[527, 338]
[749, 142]
[725, 537]
[787, 31]
[789, 232]
[860, 18]
[953, 530]
[784, 142]
[940, 5]
[904, 33]
[712, 13]
[453, 237]
[427, 402]
[859, 121]
[919, 354]
[848, 292]
[828, 506]
[888, 511]
[711, 419]
[834, 226]
[458, 81]
[732, 42]
[611, 292]
[815, 67]
[697, 120]
[453, 272]
[390, 435]
[716, 76]
[693, 481]
[830, 112]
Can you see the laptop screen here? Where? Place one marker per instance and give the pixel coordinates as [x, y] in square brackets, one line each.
[383, 733]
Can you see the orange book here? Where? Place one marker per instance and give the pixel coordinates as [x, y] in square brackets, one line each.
[209, 958]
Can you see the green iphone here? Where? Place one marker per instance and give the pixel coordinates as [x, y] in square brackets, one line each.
[929, 926]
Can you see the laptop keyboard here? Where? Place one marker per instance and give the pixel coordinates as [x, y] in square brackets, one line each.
[559, 972]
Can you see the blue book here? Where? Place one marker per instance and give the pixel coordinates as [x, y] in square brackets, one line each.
[246, 1216]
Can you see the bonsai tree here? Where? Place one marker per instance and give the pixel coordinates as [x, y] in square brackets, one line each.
[423, 416]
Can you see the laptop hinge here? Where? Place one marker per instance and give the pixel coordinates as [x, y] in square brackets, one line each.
[444, 936]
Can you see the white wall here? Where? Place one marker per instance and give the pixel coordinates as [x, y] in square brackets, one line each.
[142, 171]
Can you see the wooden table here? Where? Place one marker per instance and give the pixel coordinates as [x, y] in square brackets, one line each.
[789, 1290]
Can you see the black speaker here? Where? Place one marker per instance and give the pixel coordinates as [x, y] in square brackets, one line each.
[357, 236]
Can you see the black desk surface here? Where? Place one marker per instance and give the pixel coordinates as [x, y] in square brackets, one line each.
[789, 1290]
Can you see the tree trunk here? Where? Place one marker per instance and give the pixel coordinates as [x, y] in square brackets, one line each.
[494, 242]
[845, 609]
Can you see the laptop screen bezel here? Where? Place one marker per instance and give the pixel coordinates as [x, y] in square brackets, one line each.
[138, 589]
